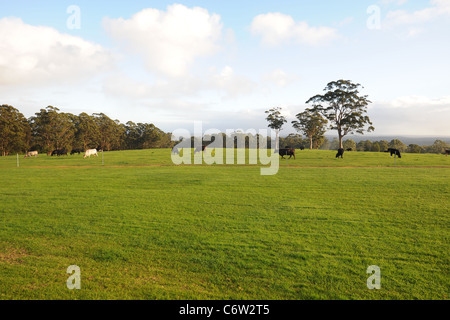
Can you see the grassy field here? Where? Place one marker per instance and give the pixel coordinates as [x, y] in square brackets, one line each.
[140, 227]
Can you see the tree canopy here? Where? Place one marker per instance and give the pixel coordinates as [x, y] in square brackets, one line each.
[344, 107]
[276, 121]
[312, 125]
[15, 132]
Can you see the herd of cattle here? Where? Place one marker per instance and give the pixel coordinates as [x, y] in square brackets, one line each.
[63, 152]
[287, 151]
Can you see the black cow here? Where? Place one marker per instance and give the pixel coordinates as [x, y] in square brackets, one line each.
[447, 152]
[75, 151]
[340, 153]
[199, 149]
[394, 152]
[288, 151]
[302, 148]
[59, 152]
[349, 149]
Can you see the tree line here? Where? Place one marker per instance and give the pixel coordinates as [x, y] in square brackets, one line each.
[296, 141]
[49, 129]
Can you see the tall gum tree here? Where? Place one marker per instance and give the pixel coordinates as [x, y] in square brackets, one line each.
[276, 122]
[311, 124]
[344, 107]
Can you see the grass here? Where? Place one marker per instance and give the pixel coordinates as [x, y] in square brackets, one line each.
[142, 228]
[162, 157]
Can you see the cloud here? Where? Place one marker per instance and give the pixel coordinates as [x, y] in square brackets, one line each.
[40, 55]
[418, 115]
[225, 82]
[438, 8]
[279, 77]
[168, 41]
[397, 2]
[413, 101]
[231, 84]
[122, 85]
[276, 28]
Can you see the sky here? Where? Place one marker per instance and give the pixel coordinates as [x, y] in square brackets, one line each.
[225, 63]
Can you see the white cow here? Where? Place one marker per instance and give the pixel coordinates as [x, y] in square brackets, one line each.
[90, 152]
[31, 154]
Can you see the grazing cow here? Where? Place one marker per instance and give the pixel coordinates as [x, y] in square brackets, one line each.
[75, 151]
[31, 154]
[447, 152]
[302, 148]
[340, 153]
[199, 149]
[288, 151]
[59, 152]
[90, 152]
[349, 149]
[394, 152]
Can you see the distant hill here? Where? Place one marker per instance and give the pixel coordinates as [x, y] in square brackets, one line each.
[419, 140]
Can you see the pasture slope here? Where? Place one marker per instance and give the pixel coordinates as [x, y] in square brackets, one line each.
[140, 227]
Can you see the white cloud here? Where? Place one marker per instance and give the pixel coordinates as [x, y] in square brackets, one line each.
[345, 21]
[413, 101]
[169, 41]
[233, 85]
[225, 82]
[279, 77]
[40, 55]
[276, 28]
[417, 115]
[438, 8]
[397, 2]
[120, 84]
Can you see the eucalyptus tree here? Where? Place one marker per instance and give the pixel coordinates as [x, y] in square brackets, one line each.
[313, 125]
[14, 130]
[276, 122]
[344, 107]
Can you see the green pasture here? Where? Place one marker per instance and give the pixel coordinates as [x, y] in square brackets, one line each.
[140, 227]
[162, 157]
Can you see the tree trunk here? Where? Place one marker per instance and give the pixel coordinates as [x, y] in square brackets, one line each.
[310, 143]
[277, 132]
[340, 140]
